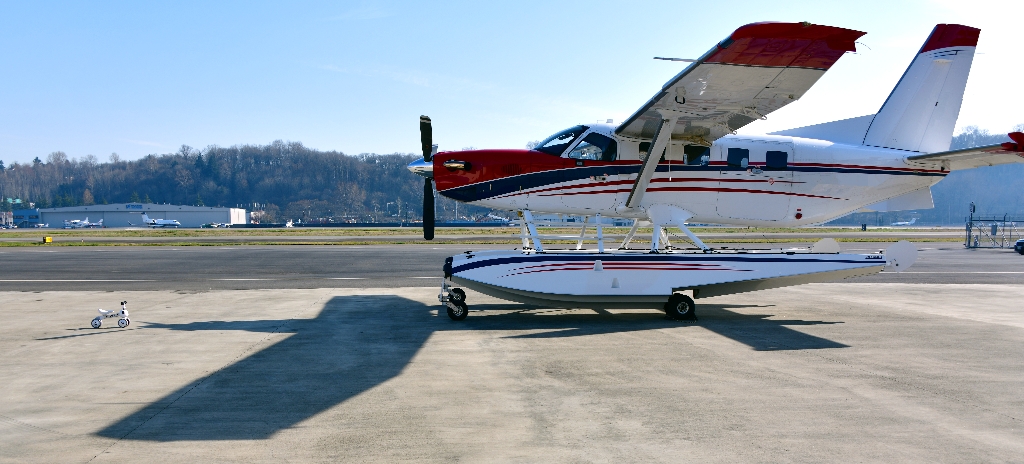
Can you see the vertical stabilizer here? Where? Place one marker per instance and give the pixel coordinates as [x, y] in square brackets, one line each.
[921, 111]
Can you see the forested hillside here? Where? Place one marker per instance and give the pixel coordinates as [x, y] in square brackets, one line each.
[290, 181]
[287, 179]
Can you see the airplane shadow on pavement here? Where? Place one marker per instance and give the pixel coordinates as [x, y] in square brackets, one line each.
[359, 342]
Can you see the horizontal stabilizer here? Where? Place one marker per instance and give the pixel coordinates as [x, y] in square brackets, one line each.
[969, 158]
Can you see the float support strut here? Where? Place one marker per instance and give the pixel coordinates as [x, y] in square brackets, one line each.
[629, 236]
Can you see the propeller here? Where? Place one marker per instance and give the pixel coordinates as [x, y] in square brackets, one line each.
[426, 139]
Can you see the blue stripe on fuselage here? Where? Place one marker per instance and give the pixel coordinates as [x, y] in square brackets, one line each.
[505, 185]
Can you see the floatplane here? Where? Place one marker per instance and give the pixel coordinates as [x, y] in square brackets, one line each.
[678, 160]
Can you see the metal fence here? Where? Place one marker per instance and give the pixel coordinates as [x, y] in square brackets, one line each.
[992, 232]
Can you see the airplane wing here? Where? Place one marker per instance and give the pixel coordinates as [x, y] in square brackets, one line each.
[759, 68]
[969, 158]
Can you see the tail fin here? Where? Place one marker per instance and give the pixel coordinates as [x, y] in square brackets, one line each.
[921, 111]
[912, 221]
[145, 217]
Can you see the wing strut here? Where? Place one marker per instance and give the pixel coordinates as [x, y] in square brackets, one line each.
[647, 170]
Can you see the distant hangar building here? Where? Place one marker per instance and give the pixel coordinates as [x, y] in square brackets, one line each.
[130, 214]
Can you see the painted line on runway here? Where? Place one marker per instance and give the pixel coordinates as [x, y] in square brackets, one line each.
[242, 279]
[346, 278]
[74, 280]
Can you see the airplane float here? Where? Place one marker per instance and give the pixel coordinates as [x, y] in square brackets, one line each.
[678, 159]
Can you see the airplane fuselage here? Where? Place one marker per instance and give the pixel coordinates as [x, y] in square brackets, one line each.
[742, 180]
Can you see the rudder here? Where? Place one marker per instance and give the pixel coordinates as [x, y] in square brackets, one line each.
[921, 111]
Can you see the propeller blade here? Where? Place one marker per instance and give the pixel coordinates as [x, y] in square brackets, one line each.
[426, 137]
[428, 209]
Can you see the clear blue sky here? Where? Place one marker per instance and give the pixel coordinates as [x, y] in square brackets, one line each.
[145, 77]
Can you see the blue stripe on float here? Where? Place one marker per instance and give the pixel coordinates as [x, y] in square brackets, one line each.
[679, 258]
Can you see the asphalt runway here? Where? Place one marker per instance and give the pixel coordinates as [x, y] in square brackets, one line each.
[205, 268]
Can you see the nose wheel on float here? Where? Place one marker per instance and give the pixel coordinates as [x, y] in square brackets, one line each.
[454, 300]
[122, 315]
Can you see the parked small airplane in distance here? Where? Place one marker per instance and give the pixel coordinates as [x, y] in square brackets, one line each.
[81, 224]
[678, 159]
[157, 222]
[905, 223]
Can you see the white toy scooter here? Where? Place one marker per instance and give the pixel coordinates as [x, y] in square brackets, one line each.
[122, 322]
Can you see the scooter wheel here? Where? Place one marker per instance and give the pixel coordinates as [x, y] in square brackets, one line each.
[122, 323]
[96, 323]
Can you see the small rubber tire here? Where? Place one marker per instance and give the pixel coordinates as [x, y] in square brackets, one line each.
[129, 321]
[96, 323]
[122, 323]
[681, 307]
[462, 312]
[457, 294]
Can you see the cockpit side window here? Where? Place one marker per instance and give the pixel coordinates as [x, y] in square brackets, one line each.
[595, 147]
[557, 143]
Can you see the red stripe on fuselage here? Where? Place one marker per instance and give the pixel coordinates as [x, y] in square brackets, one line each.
[653, 181]
[694, 189]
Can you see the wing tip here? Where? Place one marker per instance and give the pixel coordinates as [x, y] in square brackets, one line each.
[838, 38]
[1017, 145]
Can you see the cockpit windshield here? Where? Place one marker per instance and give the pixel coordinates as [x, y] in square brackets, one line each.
[557, 143]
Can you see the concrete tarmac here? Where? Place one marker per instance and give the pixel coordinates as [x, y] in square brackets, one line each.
[909, 367]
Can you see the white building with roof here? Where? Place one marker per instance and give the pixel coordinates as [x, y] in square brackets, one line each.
[129, 214]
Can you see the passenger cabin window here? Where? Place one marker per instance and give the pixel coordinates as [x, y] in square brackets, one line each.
[595, 147]
[697, 155]
[739, 157]
[556, 144]
[776, 161]
[645, 148]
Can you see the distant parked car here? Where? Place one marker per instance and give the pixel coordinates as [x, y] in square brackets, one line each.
[1019, 246]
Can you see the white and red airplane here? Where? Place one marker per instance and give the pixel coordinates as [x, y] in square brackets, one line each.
[701, 171]
[81, 224]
